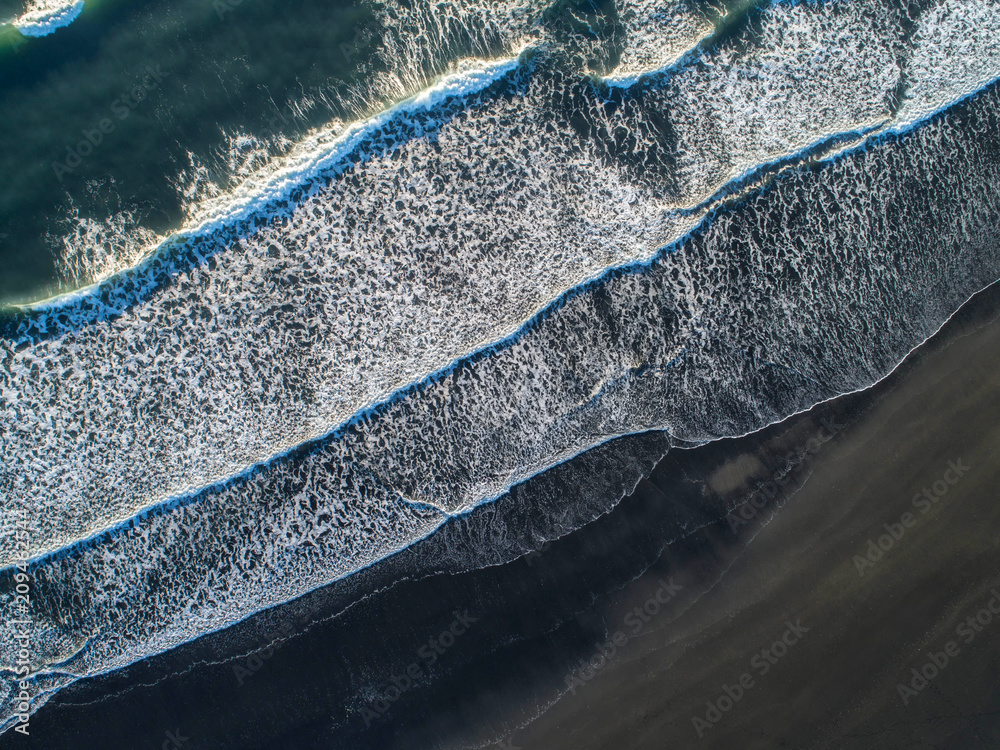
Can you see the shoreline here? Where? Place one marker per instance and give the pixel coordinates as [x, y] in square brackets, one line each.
[866, 500]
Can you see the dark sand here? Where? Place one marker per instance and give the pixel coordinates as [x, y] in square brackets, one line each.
[836, 687]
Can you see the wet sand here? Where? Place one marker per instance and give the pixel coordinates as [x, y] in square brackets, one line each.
[870, 614]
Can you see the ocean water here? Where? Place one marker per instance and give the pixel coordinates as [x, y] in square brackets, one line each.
[292, 313]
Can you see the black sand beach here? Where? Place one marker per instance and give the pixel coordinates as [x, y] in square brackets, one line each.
[876, 577]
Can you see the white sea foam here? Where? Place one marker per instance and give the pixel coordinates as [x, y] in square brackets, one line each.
[43, 17]
[93, 251]
[658, 35]
[818, 69]
[956, 51]
[416, 40]
[317, 154]
[494, 209]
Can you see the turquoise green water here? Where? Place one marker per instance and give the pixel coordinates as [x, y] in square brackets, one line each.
[80, 137]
